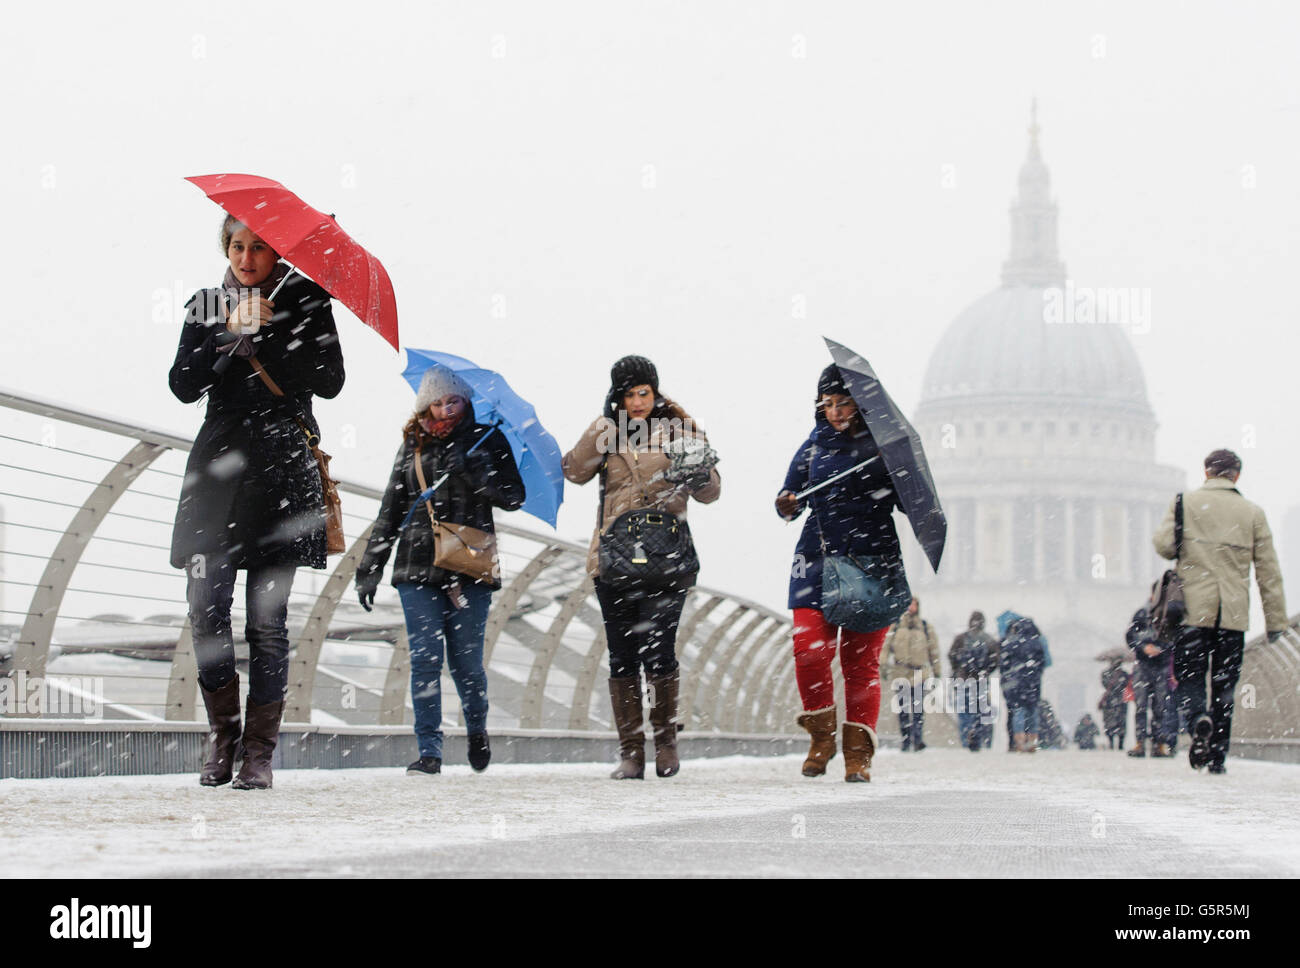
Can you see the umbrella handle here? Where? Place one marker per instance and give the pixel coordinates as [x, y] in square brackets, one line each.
[831, 480]
[287, 276]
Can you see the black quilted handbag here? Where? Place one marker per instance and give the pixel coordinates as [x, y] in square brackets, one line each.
[646, 548]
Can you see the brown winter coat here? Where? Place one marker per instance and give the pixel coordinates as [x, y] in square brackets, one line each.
[1223, 534]
[911, 650]
[628, 485]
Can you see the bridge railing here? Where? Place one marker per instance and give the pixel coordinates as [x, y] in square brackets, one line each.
[91, 609]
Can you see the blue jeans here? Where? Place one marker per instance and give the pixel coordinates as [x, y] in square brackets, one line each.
[971, 698]
[433, 626]
[1024, 719]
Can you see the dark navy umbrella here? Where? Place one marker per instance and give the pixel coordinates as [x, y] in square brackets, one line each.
[537, 455]
[900, 448]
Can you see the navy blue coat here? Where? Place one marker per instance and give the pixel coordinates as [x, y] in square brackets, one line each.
[853, 515]
[1022, 659]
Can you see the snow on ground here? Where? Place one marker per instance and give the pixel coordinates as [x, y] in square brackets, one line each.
[947, 812]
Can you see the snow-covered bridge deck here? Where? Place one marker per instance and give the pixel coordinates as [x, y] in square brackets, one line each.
[942, 813]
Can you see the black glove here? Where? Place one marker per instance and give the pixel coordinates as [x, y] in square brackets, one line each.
[1274, 636]
[453, 462]
[366, 593]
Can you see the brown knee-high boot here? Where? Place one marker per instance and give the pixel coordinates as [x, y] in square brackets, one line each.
[663, 718]
[629, 719]
[859, 745]
[223, 740]
[261, 730]
[820, 724]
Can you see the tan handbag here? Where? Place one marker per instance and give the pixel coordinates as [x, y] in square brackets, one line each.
[335, 543]
[458, 547]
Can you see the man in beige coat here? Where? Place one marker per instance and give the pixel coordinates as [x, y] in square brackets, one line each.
[911, 650]
[1223, 535]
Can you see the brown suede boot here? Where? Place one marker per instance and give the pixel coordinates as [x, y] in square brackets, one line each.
[629, 719]
[859, 745]
[663, 719]
[223, 740]
[820, 724]
[261, 730]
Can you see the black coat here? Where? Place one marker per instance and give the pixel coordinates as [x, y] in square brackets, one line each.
[853, 515]
[491, 479]
[252, 489]
[1142, 633]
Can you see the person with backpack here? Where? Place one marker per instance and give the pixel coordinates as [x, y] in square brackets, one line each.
[973, 657]
[651, 459]
[1022, 658]
[912, 658]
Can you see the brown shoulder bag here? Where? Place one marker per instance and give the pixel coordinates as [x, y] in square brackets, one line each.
[458, 547]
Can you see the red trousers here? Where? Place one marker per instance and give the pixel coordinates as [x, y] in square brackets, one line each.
[814, 648]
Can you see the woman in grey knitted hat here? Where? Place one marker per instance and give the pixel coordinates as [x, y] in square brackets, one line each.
[445, 609]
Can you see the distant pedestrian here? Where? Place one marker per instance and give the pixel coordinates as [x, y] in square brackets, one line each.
[1150, 686]
[650, 457]
[972, 658]
[852, 516]
[1113, 705]
[1085, 734]
[1023, 656]
[912, 660]
[1051, 736]
[1223, 535]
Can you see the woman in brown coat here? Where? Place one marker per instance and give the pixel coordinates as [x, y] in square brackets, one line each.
[630, 446]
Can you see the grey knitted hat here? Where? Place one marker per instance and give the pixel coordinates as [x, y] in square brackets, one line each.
[439, 382]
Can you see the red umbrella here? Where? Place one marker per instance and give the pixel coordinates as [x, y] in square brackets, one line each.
[313, 242]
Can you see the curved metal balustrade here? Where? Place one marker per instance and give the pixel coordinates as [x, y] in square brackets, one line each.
[88, 594]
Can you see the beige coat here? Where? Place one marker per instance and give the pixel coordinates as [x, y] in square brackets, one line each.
[628, 473]
[911, 648]
[1223, 534]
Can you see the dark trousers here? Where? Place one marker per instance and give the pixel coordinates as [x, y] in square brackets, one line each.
[1151, 688]
[210, 594]
[910, 697]
[1199, 652]
[641, 628]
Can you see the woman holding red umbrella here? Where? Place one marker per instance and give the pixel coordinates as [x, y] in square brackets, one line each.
[251, 499]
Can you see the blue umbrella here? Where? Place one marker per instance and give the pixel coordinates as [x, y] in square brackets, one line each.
[536, 453]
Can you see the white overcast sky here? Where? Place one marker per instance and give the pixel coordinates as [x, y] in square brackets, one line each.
[666, 179]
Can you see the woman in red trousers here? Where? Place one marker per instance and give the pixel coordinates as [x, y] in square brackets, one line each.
[850, 516]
